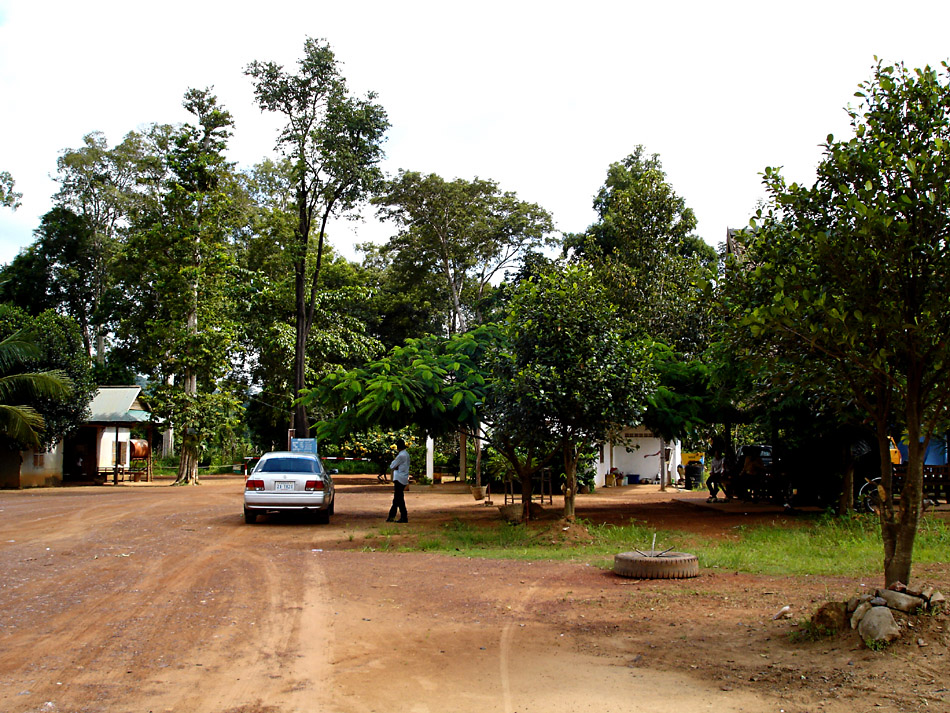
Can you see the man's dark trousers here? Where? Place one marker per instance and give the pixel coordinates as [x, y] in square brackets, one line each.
[399, 503]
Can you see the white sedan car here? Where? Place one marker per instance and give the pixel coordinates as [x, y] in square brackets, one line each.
[283, 482]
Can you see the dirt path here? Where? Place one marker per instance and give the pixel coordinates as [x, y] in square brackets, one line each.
[151, 598]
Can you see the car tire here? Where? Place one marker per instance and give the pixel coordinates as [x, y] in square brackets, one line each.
[321, 517]
[250, 517]
[332, 508]
[654, 565]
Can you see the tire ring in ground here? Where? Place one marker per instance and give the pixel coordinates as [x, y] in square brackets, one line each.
[653, 565]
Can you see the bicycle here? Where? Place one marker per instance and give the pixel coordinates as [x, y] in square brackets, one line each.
[869, 496]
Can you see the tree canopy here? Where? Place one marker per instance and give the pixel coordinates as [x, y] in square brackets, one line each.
[465, 232]
[645, 248]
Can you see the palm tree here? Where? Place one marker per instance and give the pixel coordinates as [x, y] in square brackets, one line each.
[22, 423]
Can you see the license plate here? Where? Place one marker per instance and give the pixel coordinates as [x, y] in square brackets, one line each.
[284, 485]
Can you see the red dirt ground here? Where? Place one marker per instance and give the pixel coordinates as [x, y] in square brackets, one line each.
[143, 597]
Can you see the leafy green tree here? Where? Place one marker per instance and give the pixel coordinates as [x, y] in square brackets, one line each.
[405, 301]
[644, 246]
[266, 306]
[439, 386]
[334, 144]
[555, 377]
[97, 184]
[56, 272]
[8, 197]
[178, 270]
[465, 232]
[852, 272]
[572, 376]
[45, 378]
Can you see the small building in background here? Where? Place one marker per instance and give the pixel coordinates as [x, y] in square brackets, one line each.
[104, 447]
[101, 449]
[633, 456]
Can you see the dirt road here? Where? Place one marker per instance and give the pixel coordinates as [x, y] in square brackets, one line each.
[146, 598]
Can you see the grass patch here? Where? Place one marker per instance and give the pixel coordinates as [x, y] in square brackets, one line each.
[807, 630]
[824, 545]
[820, 545]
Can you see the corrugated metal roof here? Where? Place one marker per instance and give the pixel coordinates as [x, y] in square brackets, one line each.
[113, 404]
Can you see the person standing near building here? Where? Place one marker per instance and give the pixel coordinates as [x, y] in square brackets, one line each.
[400, 469]
[717, 472]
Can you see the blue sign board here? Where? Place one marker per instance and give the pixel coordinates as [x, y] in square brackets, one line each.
[303, 445]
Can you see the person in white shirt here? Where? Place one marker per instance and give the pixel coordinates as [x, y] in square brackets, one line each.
[400, 469]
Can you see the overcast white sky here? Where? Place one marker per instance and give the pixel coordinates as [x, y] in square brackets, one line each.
[539, 96]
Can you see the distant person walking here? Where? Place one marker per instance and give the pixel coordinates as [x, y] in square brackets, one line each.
[717, 472]
[400, 469]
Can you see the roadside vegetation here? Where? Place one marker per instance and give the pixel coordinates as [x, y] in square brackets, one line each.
[817, 545]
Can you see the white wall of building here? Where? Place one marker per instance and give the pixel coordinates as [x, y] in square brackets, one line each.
[635, 452]
[41, 468]
[107, 447]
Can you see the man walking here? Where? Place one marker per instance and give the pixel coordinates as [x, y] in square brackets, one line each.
[400, 469]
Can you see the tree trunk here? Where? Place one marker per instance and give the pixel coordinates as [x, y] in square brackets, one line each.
[899, 527]
[301, 425]
[168, 443]
[478, 455]
[463, 457]
[188, 461]
[526, 496]
[100, 345]
[168, 436]
[570, 483]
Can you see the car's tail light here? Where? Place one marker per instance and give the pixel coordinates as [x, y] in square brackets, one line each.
[254, 485]
[314, 485]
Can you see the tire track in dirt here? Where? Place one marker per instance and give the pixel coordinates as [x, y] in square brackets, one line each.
[505, 649]
[208, 601]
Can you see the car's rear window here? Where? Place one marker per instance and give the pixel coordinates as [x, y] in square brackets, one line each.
[288, 465]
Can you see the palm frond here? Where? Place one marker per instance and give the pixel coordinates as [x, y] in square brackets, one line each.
[17, 349]
[53, 384]
[21, 424]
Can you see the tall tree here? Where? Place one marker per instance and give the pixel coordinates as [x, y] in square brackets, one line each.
[333, 142]
[266, 306]
[96, 183]
[179, 269]
[465, 232]
[853, 272]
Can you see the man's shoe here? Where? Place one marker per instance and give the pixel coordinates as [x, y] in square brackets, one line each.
[389, 519]
[404, 520]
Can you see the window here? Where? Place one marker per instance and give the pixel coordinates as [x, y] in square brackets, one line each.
[38, 459]
[123, 450]
[289, 465]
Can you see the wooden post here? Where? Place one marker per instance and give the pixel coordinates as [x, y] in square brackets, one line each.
[115, 466]
[148, 462]
[662, 464]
